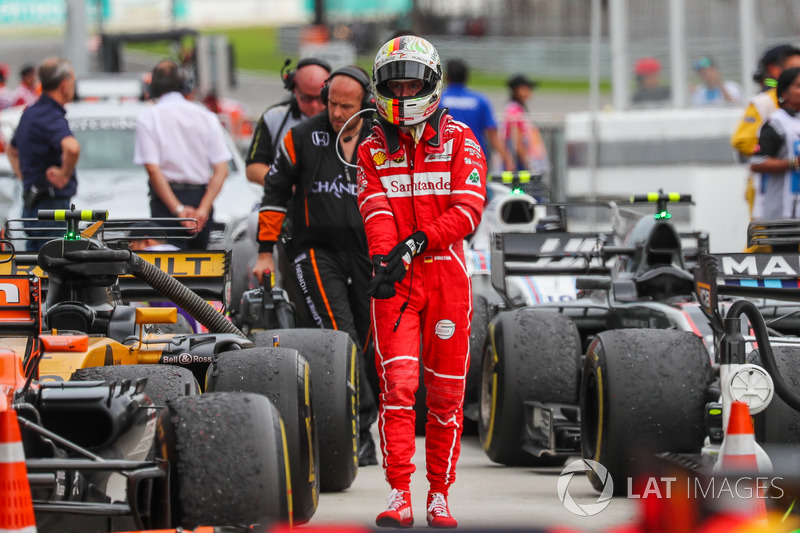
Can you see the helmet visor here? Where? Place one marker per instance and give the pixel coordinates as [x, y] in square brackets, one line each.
[406, 70]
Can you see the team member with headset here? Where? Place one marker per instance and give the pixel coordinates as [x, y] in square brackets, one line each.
[329, 247]
[182, 146]
[305, 84]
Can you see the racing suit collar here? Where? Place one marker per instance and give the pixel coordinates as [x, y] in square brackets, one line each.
[431, 134]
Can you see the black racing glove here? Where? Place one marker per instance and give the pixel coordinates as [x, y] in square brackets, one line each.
[399, 259]
[379, 285]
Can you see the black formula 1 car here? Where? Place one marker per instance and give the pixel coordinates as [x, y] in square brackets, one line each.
[649, 379]
[533, 354]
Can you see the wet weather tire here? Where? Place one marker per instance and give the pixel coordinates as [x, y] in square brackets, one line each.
[332, 357]
[529, 355]
[283, 376]
[643, 391]
[779, 423]
[228, 459]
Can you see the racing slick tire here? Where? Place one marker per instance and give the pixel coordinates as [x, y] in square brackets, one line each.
[229, 464]
[333, 359]
[779, 423]
[283, 376]
[164, 382]
[529, 355]
[622, 420]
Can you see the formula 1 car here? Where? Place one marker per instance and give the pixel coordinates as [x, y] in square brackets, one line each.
[533, 354]
[101, 456]
[105, 344]
[754, 361]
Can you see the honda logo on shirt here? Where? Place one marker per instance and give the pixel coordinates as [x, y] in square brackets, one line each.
[320, 138]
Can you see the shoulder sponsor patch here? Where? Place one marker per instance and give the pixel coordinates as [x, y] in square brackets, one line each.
[472, 144]
[474, 178]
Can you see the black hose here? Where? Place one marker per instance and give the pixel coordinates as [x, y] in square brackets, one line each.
[175, 291]
[749, 309]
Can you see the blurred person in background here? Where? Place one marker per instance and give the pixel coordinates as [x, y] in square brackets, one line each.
[304, 84]
[745, 139]
[777, 155]
[713, 90]
[43, 152]
[473, 109]
[522, 138]
[6, 97]
[182, 147]
[649, 89]
[328, 244]
[27, 92]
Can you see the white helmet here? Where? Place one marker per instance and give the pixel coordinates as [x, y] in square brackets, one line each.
[405, 58]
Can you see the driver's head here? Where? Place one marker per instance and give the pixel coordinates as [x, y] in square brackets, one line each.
[407, 80]
[307, 84]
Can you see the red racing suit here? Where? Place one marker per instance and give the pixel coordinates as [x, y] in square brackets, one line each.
[436, 186]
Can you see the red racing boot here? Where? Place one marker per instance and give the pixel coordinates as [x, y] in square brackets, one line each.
[399, 513]
[438, 512]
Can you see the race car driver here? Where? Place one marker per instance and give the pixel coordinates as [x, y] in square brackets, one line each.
[329, 248]
[421, 190]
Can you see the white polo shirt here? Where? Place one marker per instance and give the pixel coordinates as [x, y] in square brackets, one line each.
[183, 138]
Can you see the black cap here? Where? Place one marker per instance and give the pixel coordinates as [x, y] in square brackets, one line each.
[775, 55]
[26, 69]
[519, 80]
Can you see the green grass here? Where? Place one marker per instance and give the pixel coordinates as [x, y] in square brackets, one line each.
[257, 49]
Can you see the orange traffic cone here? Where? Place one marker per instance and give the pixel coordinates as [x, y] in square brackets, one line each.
[16, 504]
[738, 450]
[738, 456]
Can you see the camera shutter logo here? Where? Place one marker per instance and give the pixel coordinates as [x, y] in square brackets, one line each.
[585, 465]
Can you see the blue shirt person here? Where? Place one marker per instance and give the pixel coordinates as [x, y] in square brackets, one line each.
[43, 152]
[473, 109]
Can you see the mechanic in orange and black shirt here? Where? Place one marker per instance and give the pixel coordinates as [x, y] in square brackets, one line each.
[328, 243]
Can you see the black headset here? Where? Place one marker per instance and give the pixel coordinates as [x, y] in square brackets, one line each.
[288, 77]
[358, 74]
[185, 77]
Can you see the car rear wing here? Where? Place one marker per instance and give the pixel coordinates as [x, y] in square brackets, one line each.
[775, 233]
[205, 272]
[757, 275]
[549, 253]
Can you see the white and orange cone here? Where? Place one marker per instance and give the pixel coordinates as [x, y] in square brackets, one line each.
[740, 455]
[16, 503]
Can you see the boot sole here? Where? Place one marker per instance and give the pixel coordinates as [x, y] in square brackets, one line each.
[391, 522]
